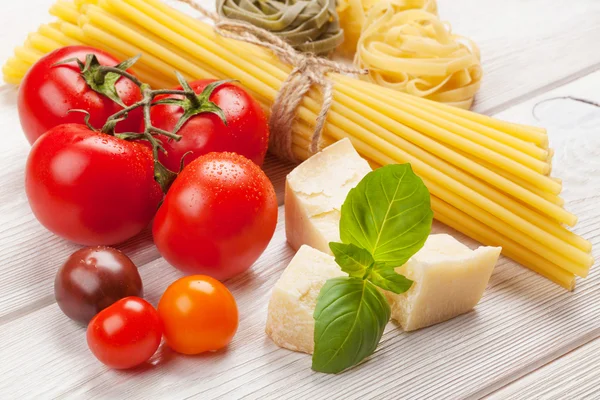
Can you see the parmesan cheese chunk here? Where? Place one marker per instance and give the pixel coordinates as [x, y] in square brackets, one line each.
[290, 321]
[449, 280]
[315, 191]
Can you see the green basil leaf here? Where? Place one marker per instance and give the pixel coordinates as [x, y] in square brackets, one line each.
[387, 278]
[352, 259]
[350, 317]
[388, 213]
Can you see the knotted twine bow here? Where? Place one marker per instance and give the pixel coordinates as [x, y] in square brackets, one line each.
[308, 70]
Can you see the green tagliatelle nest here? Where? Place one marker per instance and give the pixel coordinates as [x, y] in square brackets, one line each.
[309, 26]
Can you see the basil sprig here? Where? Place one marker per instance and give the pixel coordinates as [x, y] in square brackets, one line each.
[385, 220]
[388, 213]
[351, 315]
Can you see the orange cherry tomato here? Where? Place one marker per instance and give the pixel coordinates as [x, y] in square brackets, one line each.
[199, 314]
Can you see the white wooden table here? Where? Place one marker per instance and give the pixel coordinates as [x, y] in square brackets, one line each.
[527, 339]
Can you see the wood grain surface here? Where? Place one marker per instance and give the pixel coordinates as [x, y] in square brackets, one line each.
[530, 52]
[581, 368]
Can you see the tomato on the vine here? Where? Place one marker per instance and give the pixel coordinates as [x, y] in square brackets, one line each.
[50, 89]
[125, 334]
[199, 314]
[245, 132]
[218, 216]
[89, 187]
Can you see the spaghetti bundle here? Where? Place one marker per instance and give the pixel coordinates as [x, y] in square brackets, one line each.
[488, 178]
[309, 26]
[414, 52]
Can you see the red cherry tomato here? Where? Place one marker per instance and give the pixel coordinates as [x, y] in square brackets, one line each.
[125, 334]
[199, 314]
[246, 132]
[48, 91]
[91, 188]
[218, 217]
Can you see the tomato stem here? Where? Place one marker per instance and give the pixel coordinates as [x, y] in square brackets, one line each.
[106, 69]
[102, 79]
[159, 92]
[86, 117]
[162, 175]
[188, 92]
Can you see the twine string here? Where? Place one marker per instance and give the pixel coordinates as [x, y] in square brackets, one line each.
[308, 70]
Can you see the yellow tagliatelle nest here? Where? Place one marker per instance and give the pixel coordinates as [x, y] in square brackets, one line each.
[353, 15]
[414, 52]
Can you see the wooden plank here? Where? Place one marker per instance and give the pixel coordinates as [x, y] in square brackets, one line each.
[573, 376]
[527, 47]
[523, 320]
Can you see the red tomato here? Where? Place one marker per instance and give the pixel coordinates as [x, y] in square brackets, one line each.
[48, 91]
[91, 188]
[246, 132]
[125, 334]
[198, 314]
[218, 217]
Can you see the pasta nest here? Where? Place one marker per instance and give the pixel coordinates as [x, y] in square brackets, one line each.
[414, 52]
[310, 26]
[353, 15]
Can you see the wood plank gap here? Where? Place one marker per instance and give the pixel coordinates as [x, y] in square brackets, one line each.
[539, 91]
[29, 308]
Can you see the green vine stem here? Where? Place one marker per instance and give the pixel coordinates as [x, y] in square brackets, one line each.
[162, 174]
[102, 79]
[105, 70]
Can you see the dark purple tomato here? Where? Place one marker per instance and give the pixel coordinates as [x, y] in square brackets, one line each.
[94, 278]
